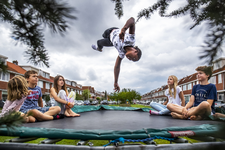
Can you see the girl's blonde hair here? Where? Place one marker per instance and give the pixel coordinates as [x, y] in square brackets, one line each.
[17, 87]
[56, 84]
[175, 83]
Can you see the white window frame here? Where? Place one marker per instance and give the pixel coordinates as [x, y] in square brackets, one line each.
[220, 97]
[7, 76]
[219, 78]
[184, 87]
[47, 85]
[47, 75]
[189, 86]
[40, 84]
[213, 80]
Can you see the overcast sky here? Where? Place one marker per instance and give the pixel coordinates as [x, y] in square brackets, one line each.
[168, 47]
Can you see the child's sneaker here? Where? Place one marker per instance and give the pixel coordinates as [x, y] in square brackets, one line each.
[58, 116]
[96, 48]
[153, 112]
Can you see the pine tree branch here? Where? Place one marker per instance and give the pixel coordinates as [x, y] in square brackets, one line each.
[28, 17]
[11, 119]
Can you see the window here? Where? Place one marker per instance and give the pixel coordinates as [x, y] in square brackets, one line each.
[189, 86]
[184, 87]
[47, 86]
[4, 76]
[40, 84]
[220, 97]
[68, 82]
[3, 60]
[44, 74]
[219, 78]
[193, 83]
[47, 75]
[213, 80]
[73, 84]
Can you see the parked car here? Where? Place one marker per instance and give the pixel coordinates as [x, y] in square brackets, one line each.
[114, 102]
[219, 103]
[87, 102]
[110, 102]
[95, 102]
[80, 102]
[104, 102]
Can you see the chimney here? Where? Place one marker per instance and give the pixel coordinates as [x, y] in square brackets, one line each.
[15, 62]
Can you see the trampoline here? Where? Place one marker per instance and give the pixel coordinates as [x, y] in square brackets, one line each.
[118, 120]
[108, 123]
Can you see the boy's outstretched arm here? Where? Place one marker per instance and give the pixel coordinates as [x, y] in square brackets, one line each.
[116, 74]
[129, 24]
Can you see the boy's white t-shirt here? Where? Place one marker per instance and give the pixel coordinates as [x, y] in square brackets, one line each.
[129, 40]
[177, 100]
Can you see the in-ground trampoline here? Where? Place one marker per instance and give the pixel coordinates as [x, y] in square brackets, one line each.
[110, 123]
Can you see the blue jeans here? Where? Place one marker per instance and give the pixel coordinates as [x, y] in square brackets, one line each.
[162, 109]
[106, 41]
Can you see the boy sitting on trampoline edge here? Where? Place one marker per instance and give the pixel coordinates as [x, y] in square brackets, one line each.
[202, 99]
[123, 42]
[34, 104]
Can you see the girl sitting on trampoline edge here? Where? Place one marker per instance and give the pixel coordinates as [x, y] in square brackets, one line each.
[17, 93]
[174, 96]
[60, 95]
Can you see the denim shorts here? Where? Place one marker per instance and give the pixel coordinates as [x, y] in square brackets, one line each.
[41, 109]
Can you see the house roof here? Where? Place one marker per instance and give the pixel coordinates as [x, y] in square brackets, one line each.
[46, 79]
[15, 68]
[220, 69]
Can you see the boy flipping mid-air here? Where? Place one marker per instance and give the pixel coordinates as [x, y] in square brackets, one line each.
[123, 42]
[33, 103]
[202, 99]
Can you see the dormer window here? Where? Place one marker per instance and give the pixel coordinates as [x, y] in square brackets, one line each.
[3, 60]
[219, 63]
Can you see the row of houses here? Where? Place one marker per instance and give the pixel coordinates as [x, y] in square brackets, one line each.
[45, 80]
[187, 83]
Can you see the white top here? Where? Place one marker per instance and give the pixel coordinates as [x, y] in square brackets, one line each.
[129, 40]
[177, 100]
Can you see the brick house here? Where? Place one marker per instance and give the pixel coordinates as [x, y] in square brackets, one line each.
[187, 83]
[45, 81]
[92, 91]
[12, 70]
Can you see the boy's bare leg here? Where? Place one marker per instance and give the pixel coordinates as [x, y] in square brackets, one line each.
[177, 116]
[53, 111]
[203, 109]
[175, 108]
[39, 115]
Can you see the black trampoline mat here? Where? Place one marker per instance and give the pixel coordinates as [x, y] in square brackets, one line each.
[118, 120]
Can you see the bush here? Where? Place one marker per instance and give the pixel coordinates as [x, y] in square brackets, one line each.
[125, 105]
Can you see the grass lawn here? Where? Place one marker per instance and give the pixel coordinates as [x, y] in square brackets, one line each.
[95, 142]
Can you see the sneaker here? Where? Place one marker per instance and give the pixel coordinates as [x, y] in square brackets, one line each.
[58, 116]
[96, 48]
[153, 112]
